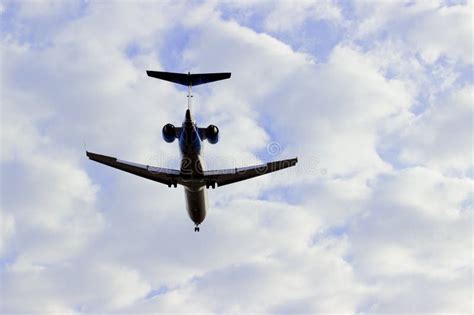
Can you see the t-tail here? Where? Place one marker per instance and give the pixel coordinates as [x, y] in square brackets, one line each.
[189, 79]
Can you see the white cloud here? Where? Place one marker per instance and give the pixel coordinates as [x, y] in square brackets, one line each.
[413, 240]
[363, 236]
[447, 194]
[72, 287]
[429, 28]
[47, 198]
[47, 8]
[341, 106]
[289, 281]
[52, 203]
[7, 224]
[285, 15]
[441, 137]
[446, 31]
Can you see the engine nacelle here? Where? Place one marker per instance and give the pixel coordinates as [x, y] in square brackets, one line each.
[169, 133]
[212, 134]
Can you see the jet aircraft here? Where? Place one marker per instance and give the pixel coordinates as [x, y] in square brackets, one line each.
[191, 174]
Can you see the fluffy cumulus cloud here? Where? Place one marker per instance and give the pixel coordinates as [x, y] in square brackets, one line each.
[375, 99]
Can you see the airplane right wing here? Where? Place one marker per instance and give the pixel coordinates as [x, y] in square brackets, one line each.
[229, 176]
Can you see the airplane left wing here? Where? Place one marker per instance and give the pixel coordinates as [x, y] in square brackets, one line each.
[165, 176]
[229, 176]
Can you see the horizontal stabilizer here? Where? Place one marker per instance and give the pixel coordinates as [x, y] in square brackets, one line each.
[187, 78]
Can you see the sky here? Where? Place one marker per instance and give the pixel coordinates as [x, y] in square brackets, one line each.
[373, 97]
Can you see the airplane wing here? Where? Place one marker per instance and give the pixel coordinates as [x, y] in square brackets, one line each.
[229, 176]
[172, 177]
[162, 175]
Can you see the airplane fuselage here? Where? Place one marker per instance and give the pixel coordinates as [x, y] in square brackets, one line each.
[191, 174]
[192, 169]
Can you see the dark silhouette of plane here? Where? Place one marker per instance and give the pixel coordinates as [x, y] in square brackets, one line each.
[191, 175]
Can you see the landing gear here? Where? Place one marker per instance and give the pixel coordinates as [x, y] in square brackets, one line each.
[211, 184]
[196, 229]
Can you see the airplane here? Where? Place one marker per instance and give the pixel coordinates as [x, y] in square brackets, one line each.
[191, 174]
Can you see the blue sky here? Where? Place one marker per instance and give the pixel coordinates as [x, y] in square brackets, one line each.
[375, 99]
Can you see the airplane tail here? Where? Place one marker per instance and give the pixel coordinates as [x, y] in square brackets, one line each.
[188, 79]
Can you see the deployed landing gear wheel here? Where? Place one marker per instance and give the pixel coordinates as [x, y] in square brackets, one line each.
[196, 229]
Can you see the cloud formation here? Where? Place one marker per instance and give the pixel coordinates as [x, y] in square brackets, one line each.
[377, 217]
